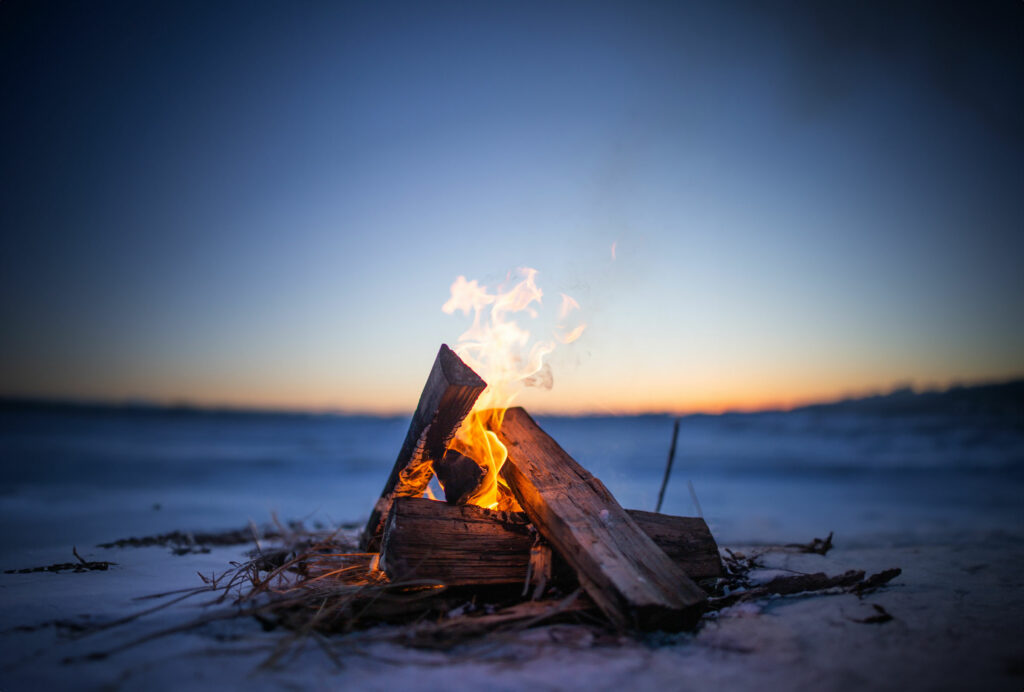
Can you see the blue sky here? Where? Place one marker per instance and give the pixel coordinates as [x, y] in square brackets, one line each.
[265, 204]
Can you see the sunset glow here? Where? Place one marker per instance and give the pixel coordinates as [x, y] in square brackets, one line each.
[278, 230]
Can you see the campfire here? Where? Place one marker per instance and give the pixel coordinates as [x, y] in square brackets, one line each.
[518, 508]
[524, 536]
[547, 518]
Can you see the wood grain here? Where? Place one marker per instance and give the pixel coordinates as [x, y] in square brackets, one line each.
[432, 540]
[630, 578]
[450, 392]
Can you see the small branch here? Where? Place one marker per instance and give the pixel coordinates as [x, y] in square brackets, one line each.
[817, 546]
[668, 464]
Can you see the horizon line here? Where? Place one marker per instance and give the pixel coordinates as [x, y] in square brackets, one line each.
[141, 403]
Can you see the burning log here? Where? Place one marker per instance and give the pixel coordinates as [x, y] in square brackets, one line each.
[450, 392]
[630, 578]
[459, 476]
[465, 545]
[457, 545]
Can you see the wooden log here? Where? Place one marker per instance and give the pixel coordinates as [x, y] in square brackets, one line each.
[686, 540]
[458, 475]
[427, 539]
[631, 579]
[456, 545]
[450, 392]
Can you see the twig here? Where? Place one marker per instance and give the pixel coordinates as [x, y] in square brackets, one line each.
[817, 546]
[696, 502]
[668, 465]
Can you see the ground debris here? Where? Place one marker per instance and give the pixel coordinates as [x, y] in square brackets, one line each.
[881, 615]
[877, 580]
[82, 565]
[312, 584]
[185, 542]
[817, 546]
[736, 586]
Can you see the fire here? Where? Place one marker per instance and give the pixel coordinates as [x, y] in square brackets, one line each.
[501, 352]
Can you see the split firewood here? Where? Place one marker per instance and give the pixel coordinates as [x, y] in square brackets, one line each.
[459, 476]
[450, 392]
[456, 545]
[632, 581]
[427, 539]
[686, 540]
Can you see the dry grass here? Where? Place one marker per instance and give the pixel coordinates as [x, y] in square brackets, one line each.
[313, 584]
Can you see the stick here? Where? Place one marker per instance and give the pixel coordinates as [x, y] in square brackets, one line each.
[668, 465]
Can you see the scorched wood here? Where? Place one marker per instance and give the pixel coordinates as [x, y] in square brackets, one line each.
[456, 545]
[629, 577]
[427, 539]
[458, 475]
[450, 392]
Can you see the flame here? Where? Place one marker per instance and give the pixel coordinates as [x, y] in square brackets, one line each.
[501, 352]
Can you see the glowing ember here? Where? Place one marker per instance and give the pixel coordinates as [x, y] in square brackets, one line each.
[501, 352]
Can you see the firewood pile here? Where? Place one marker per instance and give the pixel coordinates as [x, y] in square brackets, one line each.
[637, 568]
[557, 547]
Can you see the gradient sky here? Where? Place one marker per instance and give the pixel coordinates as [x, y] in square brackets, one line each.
[265, 204]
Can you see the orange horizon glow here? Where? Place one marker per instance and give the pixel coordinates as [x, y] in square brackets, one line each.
[565, 405]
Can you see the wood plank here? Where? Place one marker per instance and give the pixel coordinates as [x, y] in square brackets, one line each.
[631, 579]
[450, 392]
[432, 540]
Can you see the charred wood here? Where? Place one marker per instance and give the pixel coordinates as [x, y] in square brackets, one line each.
[450, 392]
[459, 476]
[455, 545]
[428, 539]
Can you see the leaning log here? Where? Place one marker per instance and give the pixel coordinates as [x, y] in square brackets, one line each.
[450, 392]
[465, 545]
[631, 579]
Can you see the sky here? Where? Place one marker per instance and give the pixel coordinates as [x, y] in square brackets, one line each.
[264, 204]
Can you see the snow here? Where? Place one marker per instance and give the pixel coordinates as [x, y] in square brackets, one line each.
[955, 527]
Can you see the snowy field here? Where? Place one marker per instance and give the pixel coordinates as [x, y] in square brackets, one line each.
[933, 486]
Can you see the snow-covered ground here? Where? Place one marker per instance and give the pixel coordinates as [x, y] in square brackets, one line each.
[953, 520]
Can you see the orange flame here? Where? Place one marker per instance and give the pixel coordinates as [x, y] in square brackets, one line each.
[501, 352]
